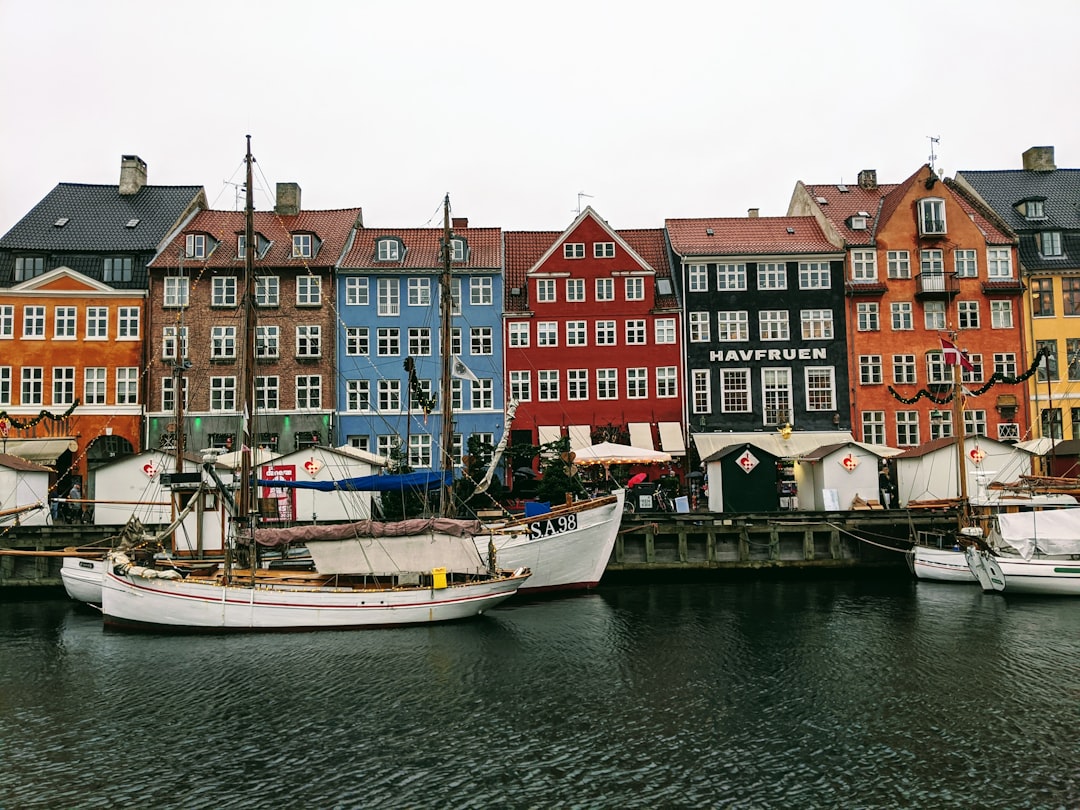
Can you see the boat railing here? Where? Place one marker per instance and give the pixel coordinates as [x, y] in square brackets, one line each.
[936, 538]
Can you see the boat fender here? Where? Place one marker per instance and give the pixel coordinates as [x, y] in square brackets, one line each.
[519, 571]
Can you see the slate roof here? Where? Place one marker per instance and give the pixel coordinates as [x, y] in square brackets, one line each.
[748, 236]
[332, 227]
[423, 249]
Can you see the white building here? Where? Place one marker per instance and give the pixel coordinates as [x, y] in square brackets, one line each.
[833, 476]
[929, 472]
[24, 483]
[323, 464]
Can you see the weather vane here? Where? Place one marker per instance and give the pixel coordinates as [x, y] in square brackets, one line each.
[933, 155]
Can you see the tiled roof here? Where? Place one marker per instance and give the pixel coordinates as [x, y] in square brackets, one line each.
[839, 205]
[98, 217]
[744, 236]
[978, 213]
[423, 248]
[331, 227]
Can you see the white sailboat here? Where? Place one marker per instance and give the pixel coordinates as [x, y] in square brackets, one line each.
[1030, 553]
[424, 573]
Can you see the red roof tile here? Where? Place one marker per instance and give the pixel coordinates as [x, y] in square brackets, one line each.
[839, 206]
[747, 236]
[423, 248]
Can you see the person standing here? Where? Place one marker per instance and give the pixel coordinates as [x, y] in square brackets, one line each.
[885, 488]
[75, 509]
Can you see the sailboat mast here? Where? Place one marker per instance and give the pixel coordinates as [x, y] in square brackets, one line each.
[446, 441]
[247, 385]
[958, 430]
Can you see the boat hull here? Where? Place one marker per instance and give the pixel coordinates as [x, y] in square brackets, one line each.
[565, 552]
[1040, 577]
[133, 601]
[82, 579]
[940, 565]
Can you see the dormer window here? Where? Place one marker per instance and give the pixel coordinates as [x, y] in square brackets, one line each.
[1049, 243]
[459, 249]
[303, 245]
[857, 222]
[1032, 209]
[932, 216]
[388, 250]
[261, 244]
[196, 246]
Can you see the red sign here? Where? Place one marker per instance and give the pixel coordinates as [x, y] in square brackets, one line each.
[977, 455]
[850, 462]
[285, 496]
[313, 465]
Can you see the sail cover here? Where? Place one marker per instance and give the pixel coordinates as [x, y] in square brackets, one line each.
[396, 555]
[370, 483]
[1052, 532]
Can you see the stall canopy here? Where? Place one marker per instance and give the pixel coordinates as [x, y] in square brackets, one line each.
[42, 451]
[608, 453]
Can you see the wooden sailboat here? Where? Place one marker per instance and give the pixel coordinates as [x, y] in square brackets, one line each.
[422, 573]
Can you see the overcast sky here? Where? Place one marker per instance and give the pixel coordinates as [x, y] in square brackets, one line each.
[655, 109]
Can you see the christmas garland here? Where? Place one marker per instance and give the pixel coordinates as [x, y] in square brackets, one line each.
[19, 424]
[995, 378]
[427, 403]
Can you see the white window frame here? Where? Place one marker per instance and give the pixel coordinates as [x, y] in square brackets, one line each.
[773, 324]
[357, 292]
[730, 277]
[96, 385]
[732, 326]
[736, 390]
[815, 276]
[518, 335]
[634, 287]
[605, 289]
[267, 291]
[223, 291]
[864, 265]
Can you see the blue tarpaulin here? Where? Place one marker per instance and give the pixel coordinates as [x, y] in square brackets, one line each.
[370, 483]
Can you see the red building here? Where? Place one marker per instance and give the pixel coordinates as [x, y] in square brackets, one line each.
[592, 337]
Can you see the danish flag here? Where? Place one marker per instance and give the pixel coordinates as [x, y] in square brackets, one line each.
[955, 357]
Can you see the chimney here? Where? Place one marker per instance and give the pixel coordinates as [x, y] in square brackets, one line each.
[1039, 159]
[132, 174]
[868, 179]
[459, 222]
[288, 199]
[752, 212]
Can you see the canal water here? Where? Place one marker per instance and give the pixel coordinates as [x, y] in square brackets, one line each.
[764, 694]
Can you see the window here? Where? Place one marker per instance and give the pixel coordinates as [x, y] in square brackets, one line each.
[482, 394]
[223, 343]
[357, 342]
[545, 290]
[1072, 356]
[267, 342]
[637, 383]
[976, 373]
[903, 369]
[605, 333]
[773, 324]
[867, 318]
[697, 278]
[309, 291]
[521, 386]
[635, 333]
[820, 388]
[573, 250]
[814, 276]
[388, 250]
[168, 394]
[576, 333]
[575, 289]
[309, 392]
[605, 289]
[1048, 370]
[127, 323]
[967, 314]
[94, 382]
[772, 276]
[577, 383]
[34, 322]
[455, 340]
[975, 423]
[420, 341]
[999, 263]
[732, 327]
[480, 291]
[934, 315]
[776, 389]
[1034, 209]
[1042, 297]
[27, 267]
[873, 427]
[701, 383]
[864, 265]
[932, 262]
[117, 268]
[899, 263]
[519, 335]
[607, 383]
[937, 373]
[176, 291]
[195, 246]
[32, 382]
[1070, 295]
[388, 341]
[907, 428]
[901, 316]
[389, 396]
[603, 250]
[389, 301]
[635, 288]
[1001, 316]
[965, 263]
[870, 369]
[5, 385]
[1051, 422]
[127, 386]
[302, 246]
[267, 291]
[63, 390]
[731, 277]
[267, 393]
[667, 384]
[817, 324]
[1005, 364]
[931, 216]
[64, 323]
[356, 291]
[548, 385]
[420, 450]
[309, 341]
[223, 291]
[941, 424]
[458, 250]
[7, 321]
[174, 342]
[481, 340]
[1050, 243]
[699, 327]
[547, 333]
[664, 330]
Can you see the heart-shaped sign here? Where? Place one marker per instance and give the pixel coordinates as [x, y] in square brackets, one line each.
[150, 469]
[312, 466]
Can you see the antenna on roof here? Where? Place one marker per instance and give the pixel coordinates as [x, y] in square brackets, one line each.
[933, 155]
[581, 194]
[239, 192]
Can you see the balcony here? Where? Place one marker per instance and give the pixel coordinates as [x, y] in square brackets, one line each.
[866, 289]
[936, 286]
[1003, 286]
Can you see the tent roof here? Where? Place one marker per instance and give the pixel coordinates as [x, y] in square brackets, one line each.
[611, 453]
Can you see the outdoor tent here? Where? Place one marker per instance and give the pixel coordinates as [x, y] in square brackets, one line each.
[608, 453]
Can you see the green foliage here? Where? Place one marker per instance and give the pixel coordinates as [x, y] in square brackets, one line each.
[477, 460]
[556, 472]
[401, 505]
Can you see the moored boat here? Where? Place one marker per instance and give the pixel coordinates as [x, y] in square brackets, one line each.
[1031, 553]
